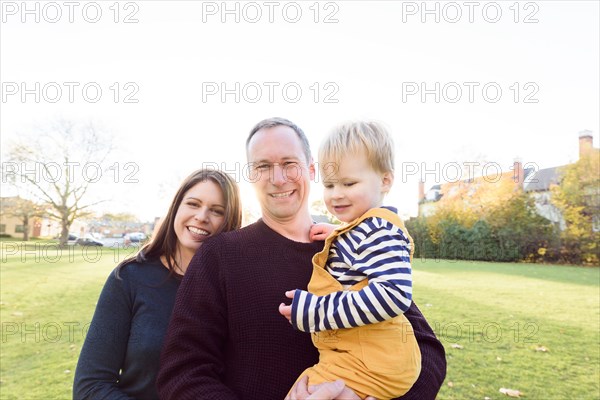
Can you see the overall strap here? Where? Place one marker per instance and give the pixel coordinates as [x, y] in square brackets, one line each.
[392, 217]
[379, 212]
[322, 282]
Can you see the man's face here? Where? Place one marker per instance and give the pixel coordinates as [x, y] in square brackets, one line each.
[280, 172]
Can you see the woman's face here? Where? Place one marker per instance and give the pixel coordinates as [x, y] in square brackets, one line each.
[200, 215]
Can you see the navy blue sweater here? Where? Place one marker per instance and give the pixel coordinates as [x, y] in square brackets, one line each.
[120, 356]
[227, 340]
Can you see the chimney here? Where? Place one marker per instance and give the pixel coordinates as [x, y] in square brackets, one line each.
[586, 141]
[518, 172]
[421, 191]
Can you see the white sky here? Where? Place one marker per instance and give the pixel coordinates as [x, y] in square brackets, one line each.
[370, 55]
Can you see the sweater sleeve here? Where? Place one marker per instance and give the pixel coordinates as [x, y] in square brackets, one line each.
[193, 356]
[105, 346]
[383, 256]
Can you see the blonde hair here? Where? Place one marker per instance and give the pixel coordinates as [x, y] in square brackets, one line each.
[353, 137]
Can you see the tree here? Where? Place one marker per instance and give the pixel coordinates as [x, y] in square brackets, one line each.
[120, 221]
[483, 219]
[23, 209]
[577, 196]
[57, 167]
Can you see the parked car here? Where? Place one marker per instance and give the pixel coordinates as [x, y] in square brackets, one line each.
[89, 241]
[72, 239]
[135, 237]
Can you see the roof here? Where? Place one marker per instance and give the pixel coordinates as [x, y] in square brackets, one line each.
[432, 195]
[542, 179]
[533, 181]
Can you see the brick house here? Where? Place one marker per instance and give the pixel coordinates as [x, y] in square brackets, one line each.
[535, 182]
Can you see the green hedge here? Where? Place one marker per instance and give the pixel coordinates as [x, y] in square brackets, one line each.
[484, 242]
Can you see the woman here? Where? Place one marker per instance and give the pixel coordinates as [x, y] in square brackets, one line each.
[120, 356]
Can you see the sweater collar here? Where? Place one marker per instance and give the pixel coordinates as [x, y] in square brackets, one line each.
[279, 239]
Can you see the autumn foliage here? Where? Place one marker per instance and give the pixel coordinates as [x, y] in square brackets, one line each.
[578, 198]
[496, 220]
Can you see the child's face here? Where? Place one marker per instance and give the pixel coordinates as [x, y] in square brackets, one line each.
[352, 187]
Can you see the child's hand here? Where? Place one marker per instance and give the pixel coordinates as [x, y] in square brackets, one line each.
[320, 231]
[284, 310]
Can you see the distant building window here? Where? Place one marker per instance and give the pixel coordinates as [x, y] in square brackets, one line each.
[596, 223]
[19, 229]
[2, 228]
[432, 195]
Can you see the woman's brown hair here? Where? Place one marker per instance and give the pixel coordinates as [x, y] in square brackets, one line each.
[164, 243]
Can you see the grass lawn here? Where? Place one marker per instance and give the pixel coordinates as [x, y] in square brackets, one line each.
[47, 299]
[502, 315]
[498, 313]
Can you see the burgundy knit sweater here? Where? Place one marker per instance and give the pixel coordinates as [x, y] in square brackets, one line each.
[226, 338]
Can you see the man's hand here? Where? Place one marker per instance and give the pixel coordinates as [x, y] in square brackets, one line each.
[284, 310]
[320, 231]
[326, 391]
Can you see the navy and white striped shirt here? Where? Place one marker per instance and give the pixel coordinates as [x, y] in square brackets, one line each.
[375, 249]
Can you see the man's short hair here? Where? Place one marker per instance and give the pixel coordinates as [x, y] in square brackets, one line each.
[353, 137]
[276, 121]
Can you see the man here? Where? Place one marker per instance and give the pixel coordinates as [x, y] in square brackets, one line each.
[226, 338]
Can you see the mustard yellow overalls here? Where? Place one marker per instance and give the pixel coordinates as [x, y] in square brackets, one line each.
[382, 359]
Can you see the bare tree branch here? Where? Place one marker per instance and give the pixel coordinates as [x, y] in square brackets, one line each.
[73, 145]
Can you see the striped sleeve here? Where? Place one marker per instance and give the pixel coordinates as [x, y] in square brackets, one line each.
[383, 256]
